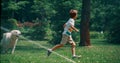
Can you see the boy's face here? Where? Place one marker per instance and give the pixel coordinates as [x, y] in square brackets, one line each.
[75, 17]
[73, 14]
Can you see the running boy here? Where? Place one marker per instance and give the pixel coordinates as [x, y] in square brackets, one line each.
[66, 35]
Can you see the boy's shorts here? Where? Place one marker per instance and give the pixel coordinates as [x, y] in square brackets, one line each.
[66, 39]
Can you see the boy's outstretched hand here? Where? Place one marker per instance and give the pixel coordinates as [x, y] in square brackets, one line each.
[74, 28]
[77, 30]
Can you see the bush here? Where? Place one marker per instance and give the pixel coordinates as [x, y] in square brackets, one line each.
[41, 32]
[96, 35]
[9, 24]
[57, 30]
[114, 33]
[57, 36]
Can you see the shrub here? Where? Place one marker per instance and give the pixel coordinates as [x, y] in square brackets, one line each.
[9, 24]
[96, 35]
[114, 33]
[41, 32]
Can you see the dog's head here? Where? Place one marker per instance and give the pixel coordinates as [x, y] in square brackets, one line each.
[16, 33]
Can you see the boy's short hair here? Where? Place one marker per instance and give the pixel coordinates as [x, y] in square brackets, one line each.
[73, 13]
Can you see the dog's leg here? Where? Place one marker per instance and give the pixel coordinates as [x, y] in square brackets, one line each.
[13, 49]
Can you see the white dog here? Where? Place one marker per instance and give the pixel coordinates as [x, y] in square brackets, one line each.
[9, 40]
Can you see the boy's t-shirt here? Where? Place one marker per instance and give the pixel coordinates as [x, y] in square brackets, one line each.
[69, 23]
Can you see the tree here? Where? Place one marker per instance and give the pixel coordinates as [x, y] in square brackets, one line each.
[85, 18]
[11, 7]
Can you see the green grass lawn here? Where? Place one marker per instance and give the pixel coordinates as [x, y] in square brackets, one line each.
[99, 52]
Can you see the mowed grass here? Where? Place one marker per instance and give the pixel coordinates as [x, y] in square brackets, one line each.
[99, 52]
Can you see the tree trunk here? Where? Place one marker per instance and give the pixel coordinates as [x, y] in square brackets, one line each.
[84, 25]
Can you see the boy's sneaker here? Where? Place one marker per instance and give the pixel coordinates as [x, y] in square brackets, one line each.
[49, 52]
[76, 56]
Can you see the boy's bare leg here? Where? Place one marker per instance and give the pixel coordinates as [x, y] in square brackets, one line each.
[73, 49]
[57, 46]
[54, 48]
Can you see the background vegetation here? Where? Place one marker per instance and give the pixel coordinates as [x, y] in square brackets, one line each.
[52, 14]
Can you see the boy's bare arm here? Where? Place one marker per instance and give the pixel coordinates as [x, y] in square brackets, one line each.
[74, 28]
[64, 25]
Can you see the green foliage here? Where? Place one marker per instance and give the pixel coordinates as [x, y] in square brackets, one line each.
[57, 32]
[98, 13]
[105, 17]
[10, 8]
[9, 24]
[97, 35]
[113, 33]
[113, 16]
[41, 31]
[43, 9]
[53, 14]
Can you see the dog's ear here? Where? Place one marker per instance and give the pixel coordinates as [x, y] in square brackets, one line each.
[12, 31]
